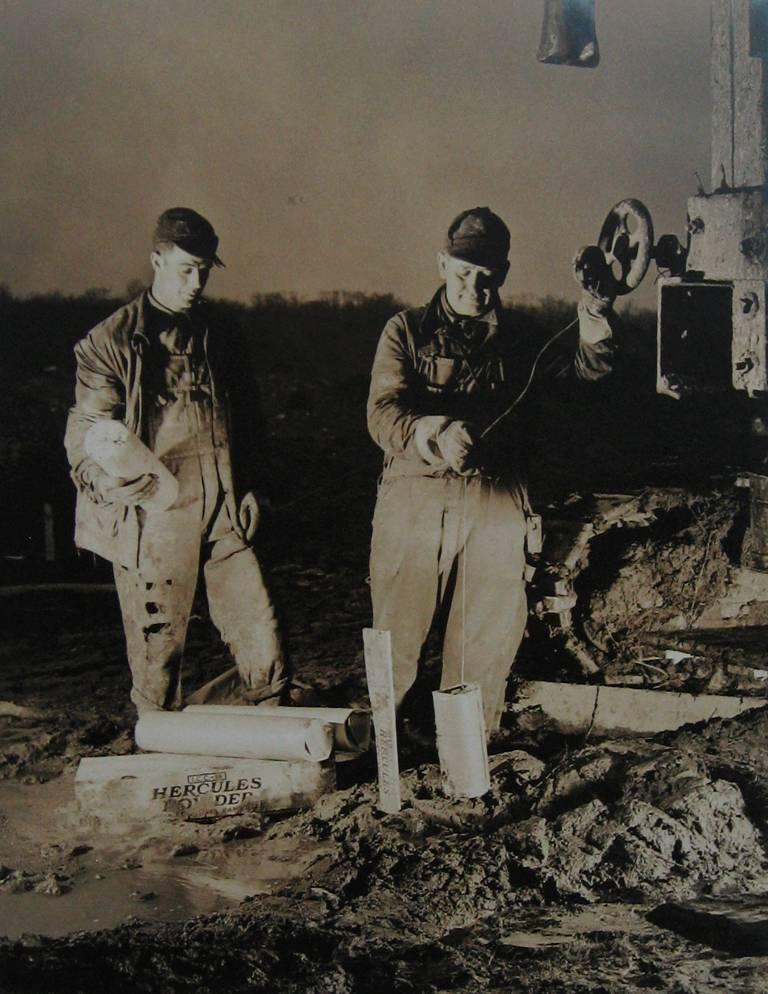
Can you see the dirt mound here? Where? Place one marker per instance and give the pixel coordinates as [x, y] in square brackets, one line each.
[649, 589]
[640, 821]
[434, 898]
[639, 578]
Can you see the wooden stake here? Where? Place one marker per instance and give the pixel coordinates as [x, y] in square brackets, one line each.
[49, 534]
[378, 671]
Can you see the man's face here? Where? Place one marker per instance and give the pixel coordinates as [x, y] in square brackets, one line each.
[469, 288]
[180, 278]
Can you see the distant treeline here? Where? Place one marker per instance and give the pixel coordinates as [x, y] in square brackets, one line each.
[44, 327]
[311, 359]
[333, 335]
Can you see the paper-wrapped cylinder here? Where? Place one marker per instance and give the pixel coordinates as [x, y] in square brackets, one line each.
[237, 735]
[461, 742]
[351, 726]
[122, 453]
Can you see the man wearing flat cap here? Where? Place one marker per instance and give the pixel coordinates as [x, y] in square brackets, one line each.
[167, 368]
[449, 529]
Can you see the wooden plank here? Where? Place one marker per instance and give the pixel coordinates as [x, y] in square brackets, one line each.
[722, 223]
[749, 101]
[378, 672]
[121, 791]
[574, 708]
[49, 533]
[565, 541]
[721, 84]
[739, 87]
[750, 343]
[46, 588]
[738, 926]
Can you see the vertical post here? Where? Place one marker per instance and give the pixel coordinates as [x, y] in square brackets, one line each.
[721, 83]
[378, 672]
[49, 534]
[751, 100]
[739, 96]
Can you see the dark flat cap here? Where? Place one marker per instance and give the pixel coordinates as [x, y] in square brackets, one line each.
[479, 236]
[190, 231]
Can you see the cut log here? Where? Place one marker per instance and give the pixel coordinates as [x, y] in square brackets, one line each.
[738, 926]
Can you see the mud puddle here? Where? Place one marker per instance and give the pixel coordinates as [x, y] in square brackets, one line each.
[58, 876]
[153, 894]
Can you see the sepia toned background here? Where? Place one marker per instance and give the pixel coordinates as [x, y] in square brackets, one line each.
[330, 142]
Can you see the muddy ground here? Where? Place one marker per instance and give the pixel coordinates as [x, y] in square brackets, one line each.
[547, 883]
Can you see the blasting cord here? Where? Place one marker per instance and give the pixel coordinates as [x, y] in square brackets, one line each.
[464, 537]
[505, 413]
[353, 473]
[463, 576]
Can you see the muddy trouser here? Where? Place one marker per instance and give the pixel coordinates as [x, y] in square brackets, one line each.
[156, 599]
[436, 539]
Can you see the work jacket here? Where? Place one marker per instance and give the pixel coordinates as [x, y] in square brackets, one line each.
[114, 366]
[430, 370]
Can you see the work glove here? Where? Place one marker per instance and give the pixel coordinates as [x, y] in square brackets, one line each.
[458, 445]
[597, 305]
[103, 488]
[592, 270]
[598, 292]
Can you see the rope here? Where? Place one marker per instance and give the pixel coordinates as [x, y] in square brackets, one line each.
[527, 386]
[464, 537]
[463, 577]
[354, 472]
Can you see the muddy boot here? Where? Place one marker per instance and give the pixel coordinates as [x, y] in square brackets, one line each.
[303, 695]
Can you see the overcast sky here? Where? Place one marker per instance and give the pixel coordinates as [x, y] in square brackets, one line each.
[330, 142]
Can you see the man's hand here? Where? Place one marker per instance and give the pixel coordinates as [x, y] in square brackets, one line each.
[599, 287]
[248, 515]
[104, 488]
[130, 492]
[597, 305]
[458, 444]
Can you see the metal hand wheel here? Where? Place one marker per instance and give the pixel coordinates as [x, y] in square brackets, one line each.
[626, 239]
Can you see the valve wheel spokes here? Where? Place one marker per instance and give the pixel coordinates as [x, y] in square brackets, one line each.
[626, 239]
